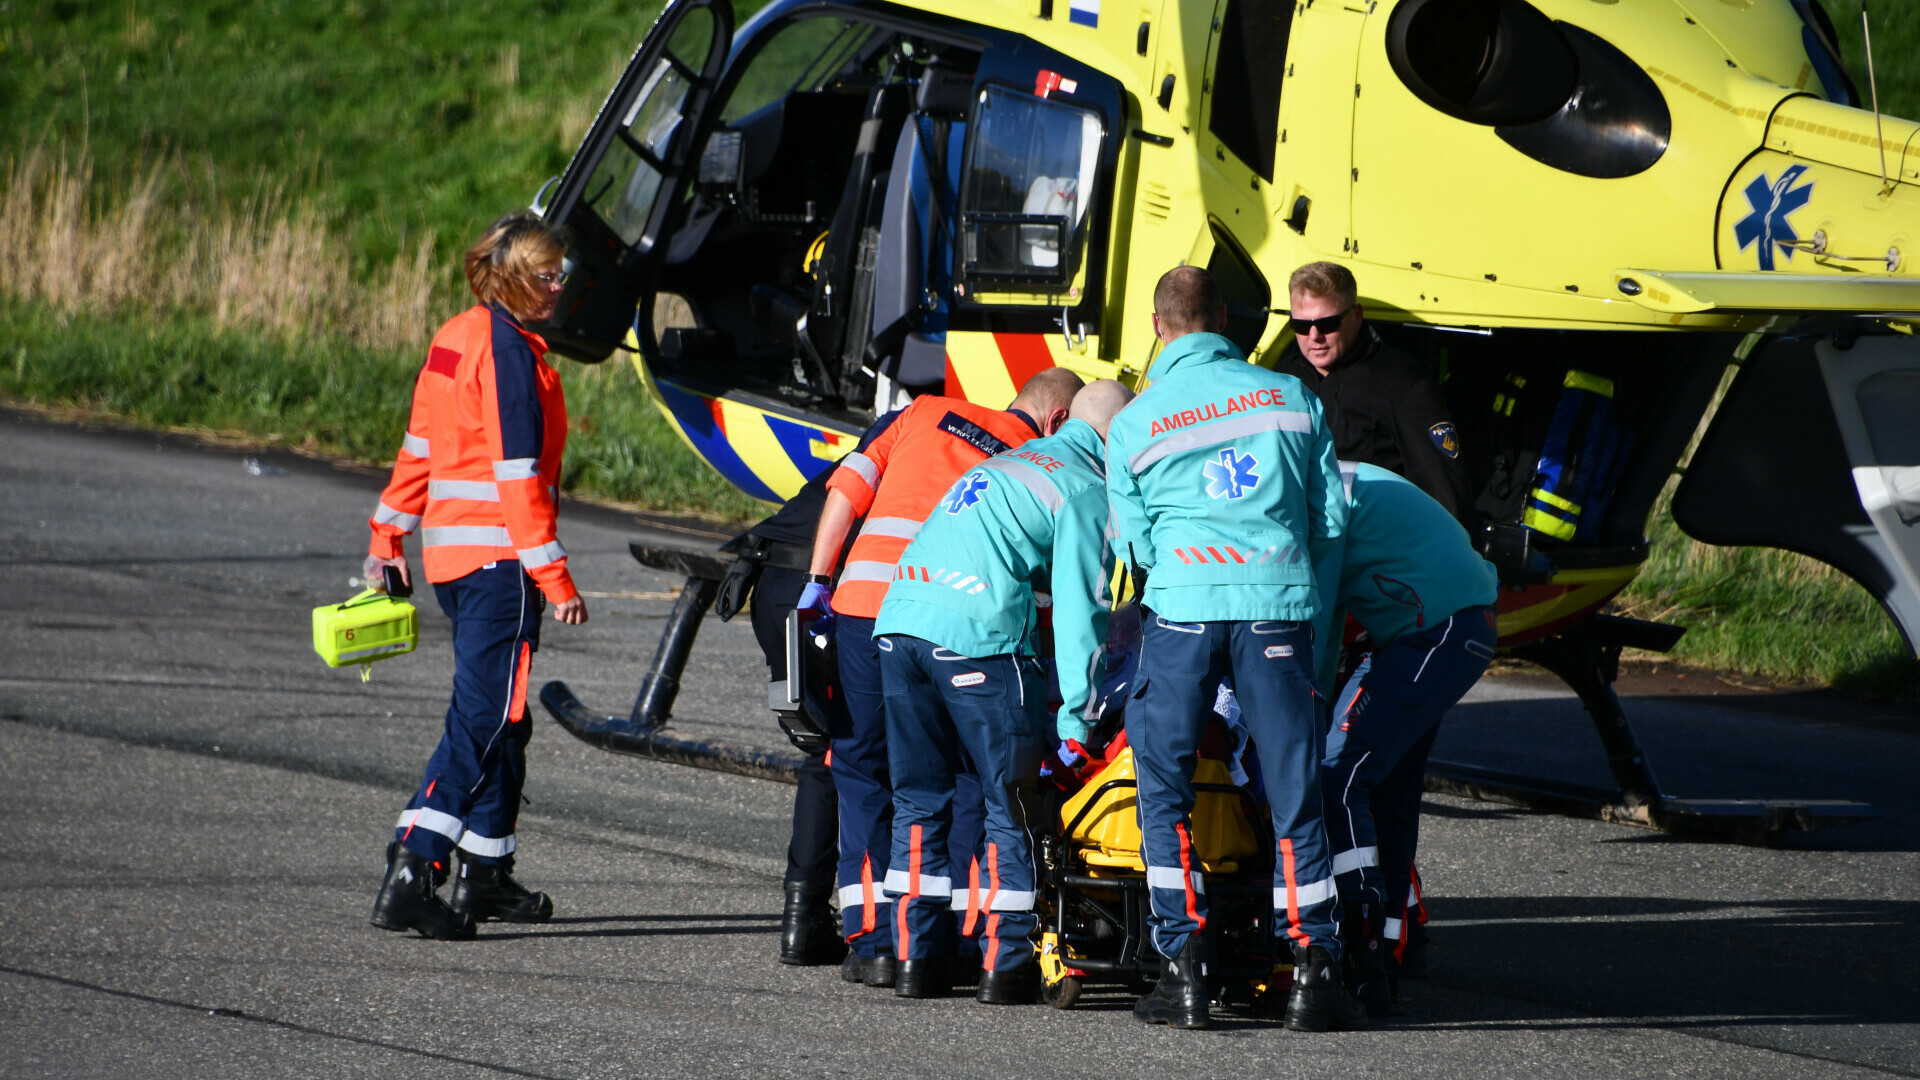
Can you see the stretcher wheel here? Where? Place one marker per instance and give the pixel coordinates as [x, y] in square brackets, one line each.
[1062, 993]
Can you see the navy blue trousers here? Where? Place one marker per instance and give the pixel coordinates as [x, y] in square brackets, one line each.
[1181, 665]
[948, 715]
[1383, 727]
[470, 794]
[863, 782]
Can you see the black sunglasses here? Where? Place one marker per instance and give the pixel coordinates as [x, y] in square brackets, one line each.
[1327, 325]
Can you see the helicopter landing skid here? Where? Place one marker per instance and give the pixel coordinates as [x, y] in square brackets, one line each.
[643, 732]
[1587, 658]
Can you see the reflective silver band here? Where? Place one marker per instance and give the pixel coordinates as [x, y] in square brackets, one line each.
[863, 467]
[466, 536]
[1212, 434]
[415, 445]
[520, 468]
[387, 515]
[1305, 896]
[489, 846]
[867, 571]
[903, 528]
[536, 557]
[476, 490]
[1032, 479]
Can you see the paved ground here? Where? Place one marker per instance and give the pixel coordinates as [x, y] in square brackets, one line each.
[198, 807]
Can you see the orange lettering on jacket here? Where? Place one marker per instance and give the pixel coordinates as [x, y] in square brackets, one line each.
[1252, 399]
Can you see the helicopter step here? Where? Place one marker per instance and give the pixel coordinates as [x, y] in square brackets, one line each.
[1587, 658]
[643, 732]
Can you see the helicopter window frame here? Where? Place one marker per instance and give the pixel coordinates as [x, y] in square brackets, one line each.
[1074, 239]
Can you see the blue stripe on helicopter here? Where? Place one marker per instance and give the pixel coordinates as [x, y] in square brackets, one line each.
[797, 440]
[695, 415]
[1084, 12]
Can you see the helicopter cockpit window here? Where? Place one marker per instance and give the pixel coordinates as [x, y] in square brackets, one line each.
[626, 182]
[1023, 202]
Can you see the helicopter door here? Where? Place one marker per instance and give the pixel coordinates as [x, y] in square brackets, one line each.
[638, 147]
[1875, 387]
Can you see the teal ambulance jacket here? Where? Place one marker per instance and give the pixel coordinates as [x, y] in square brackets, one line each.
[1407, 564]
[1223, 481]
[1031, 519]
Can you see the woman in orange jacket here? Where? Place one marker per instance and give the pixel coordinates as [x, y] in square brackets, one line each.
[478, 475]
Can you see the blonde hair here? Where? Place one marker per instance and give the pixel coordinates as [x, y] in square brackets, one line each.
[1325, 279]
[501, 264]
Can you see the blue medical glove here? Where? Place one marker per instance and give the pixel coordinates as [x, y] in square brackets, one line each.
[816, 598]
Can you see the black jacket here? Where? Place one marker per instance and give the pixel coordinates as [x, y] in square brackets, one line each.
[1383, 408]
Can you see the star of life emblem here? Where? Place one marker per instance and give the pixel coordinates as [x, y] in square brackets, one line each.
[965, 492]
[1232, 475]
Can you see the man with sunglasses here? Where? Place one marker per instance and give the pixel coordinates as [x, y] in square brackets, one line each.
[1381, 404]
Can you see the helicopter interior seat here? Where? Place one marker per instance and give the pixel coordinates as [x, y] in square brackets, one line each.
[909, 339]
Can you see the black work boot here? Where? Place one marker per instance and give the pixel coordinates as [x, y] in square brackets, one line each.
[1016, 986]
[876, 970]
[1320, 1001]
[487, 891]
[1179, 999]
[1366, 958]
[923, 977]
[407, 900]
[809, 934]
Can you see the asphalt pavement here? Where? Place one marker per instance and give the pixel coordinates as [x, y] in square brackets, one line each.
[197, 809]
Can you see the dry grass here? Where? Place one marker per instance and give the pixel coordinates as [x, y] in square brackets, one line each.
[271, 263]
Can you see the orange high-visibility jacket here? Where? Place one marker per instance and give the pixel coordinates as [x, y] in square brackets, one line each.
[932, 443]
[479, 470]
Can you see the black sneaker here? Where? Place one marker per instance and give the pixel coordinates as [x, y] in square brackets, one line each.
[1320, 1001]
[487, 891]
[407, 900]
[1179, 999]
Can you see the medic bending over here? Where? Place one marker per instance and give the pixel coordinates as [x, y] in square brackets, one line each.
[1224, 483]
[964, 684]
[895, 483]
[1410, 576]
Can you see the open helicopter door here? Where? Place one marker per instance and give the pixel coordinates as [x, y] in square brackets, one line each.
[636, 151]
[1875, 387]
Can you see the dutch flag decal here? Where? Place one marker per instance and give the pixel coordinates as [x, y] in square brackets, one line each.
[1084, 12]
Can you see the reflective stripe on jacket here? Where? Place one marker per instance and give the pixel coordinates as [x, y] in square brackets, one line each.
[934, 441]
[1008, 527]
[479, 467]
[1222, 477]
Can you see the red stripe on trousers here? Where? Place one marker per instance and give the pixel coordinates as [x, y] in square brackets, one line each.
[1186, 880]
[973, 896]
[1293, 894]
[900, 908]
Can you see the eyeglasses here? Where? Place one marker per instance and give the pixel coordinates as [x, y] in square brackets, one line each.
[552, 277]
[1326, 326]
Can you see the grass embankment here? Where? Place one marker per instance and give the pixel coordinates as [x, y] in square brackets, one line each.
[246, 217]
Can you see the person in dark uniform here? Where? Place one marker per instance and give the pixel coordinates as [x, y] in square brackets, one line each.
[773, 563]
[1381, 404]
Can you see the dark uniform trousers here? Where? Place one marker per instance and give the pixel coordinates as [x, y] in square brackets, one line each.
[863, 777]
[470, 795]
[816, 811]
[1383, 727]
[949, 715]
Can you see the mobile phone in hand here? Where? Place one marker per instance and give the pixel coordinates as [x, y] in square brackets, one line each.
[397, 586]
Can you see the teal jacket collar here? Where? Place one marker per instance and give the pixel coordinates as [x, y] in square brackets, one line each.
[1191, 351]
[1080, 435]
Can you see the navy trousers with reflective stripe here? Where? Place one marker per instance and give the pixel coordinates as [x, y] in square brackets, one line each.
[862, 780]
[1390, 708]
[1181, 665]
[948, 715]
[470, 794]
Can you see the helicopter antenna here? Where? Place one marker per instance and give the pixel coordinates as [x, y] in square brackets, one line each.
[1879, 134]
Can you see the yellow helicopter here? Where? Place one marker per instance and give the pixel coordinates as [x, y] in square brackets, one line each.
[797, 224]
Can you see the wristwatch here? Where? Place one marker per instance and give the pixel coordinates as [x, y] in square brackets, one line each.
[819, 579]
